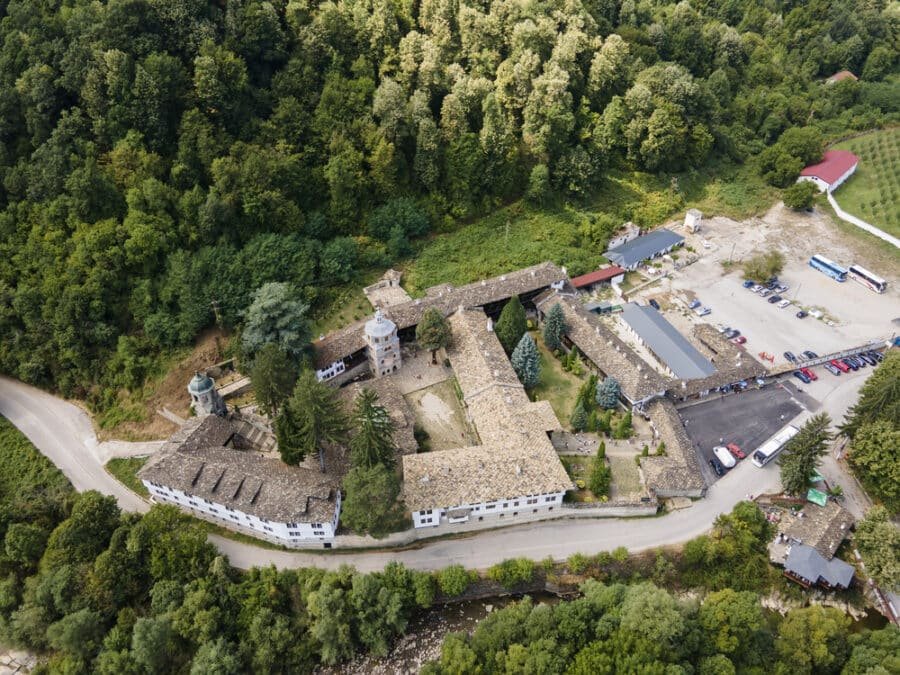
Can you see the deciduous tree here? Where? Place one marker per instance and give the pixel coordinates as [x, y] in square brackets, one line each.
[433, 332]
[370, 501]
[878, 541]
[278, 317]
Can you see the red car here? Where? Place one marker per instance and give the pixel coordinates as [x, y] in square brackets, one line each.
[840, 365]
[739, 340]
[735, 450]
[810, 374]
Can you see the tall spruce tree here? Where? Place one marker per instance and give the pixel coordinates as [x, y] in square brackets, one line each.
[527, 362]
[800, 457]
[373, 443]
[511, 325]
[879, 397]
[579, 417]
[608, 393]
[273, 375]
[433, 332]
[554, 327]
[310, 418]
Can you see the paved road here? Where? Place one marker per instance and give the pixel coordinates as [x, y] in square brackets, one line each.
[64, 434]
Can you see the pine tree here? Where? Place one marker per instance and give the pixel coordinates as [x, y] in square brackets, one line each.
[579, 417]
[800, 457]
[608, 393]
[311, 417]
[373, 443]
[554, 327]
[511, 325]
[879, 397]
[527, 362]
[433, 332]
[273, 377]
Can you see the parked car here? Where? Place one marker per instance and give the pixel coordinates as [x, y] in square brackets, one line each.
[766, 293]
[717, 466]
[774, 299]
[809, 373]
[654, 304]
[801, 314]
[739, 340]
[800, 375]
[878, 356]
[783, 304]
[810, 355]
[703, 311]
[735, 450]
[832, 369]
[748, 284]
[733, 333]
[840, 365]
[850, 364]
[694, 304]
[722, 454]
[868, 359]
[790, 357]
[858, 361]
[756, 288]
[781, 288]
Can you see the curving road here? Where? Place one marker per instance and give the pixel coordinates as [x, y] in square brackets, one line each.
[63, 432]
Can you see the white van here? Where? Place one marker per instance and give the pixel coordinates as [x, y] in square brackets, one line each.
[724, 456]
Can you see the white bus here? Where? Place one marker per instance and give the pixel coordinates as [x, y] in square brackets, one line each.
[867, 279]
[767, 452]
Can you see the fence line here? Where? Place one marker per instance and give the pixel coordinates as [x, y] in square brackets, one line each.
[860, 223]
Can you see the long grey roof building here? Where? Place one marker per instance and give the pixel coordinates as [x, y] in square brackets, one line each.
[666, 343]
[630, 254]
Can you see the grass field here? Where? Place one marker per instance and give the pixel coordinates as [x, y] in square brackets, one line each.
[557, 386]
[124, 470]
[873, 192]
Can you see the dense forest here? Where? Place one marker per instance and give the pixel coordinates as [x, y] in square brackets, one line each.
[161, 160]
[95, 590]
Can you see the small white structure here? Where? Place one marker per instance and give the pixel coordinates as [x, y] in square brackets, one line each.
[205, 400]
[632, 231]
[383, 345]
[692, 221]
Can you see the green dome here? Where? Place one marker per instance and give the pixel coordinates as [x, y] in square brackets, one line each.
[200, 384]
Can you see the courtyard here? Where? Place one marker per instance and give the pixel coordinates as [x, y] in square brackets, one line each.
[438, 412]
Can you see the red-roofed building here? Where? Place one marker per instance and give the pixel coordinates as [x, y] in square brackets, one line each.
[841, 76]
[605, 275]
[836, 167]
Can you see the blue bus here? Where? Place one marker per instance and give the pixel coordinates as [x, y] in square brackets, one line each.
[828, 267]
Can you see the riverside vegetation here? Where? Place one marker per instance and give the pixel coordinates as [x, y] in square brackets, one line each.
[100, 591]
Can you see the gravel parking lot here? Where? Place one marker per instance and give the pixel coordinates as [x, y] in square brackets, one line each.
[858, 314]
[748, 419]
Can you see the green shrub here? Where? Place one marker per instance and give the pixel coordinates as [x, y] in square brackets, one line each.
[455, 579]
[512, 573]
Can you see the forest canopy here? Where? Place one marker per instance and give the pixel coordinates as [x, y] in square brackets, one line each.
[159, 156]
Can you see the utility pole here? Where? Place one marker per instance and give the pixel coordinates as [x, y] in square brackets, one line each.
[215, 308]
[732, 252]
[506, 235]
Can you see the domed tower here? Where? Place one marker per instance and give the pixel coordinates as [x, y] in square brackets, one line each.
[205, 400]
[383, 344]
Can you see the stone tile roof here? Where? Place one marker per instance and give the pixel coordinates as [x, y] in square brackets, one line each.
[605, 349]
[644, 247]
[197, 461]
[446, 298]
[392, 400]
[822, 527]
[515, 457]
[732, 362]
[679, 471]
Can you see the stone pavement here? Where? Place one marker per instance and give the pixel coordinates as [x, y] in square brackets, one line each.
[17, 661]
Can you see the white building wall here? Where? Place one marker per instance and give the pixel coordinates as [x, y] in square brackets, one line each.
[331, 371]
[505, 508]
[282, 533]
[821, 184]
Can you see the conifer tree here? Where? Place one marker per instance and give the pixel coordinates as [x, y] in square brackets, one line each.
[579, 417]
[554, 327]
[526, 362]
[511, 325]
[608, 393]
[373, 443]
[310, 418]
[800, 457]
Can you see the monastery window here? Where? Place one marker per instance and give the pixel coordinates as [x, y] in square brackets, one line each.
[192, 503]
[491, 506]
[548, 499]
[515, 503]
[316, 526]
[505, 504]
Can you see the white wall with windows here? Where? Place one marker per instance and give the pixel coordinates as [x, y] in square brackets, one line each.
[287, 534]
[500, 508]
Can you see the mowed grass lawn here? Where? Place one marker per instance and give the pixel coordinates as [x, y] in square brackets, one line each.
[557, 386]
[873, 192]
[124, 470]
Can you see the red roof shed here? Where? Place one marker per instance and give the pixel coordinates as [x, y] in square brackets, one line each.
[597, 276]
[834, 165]
[840, 76]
